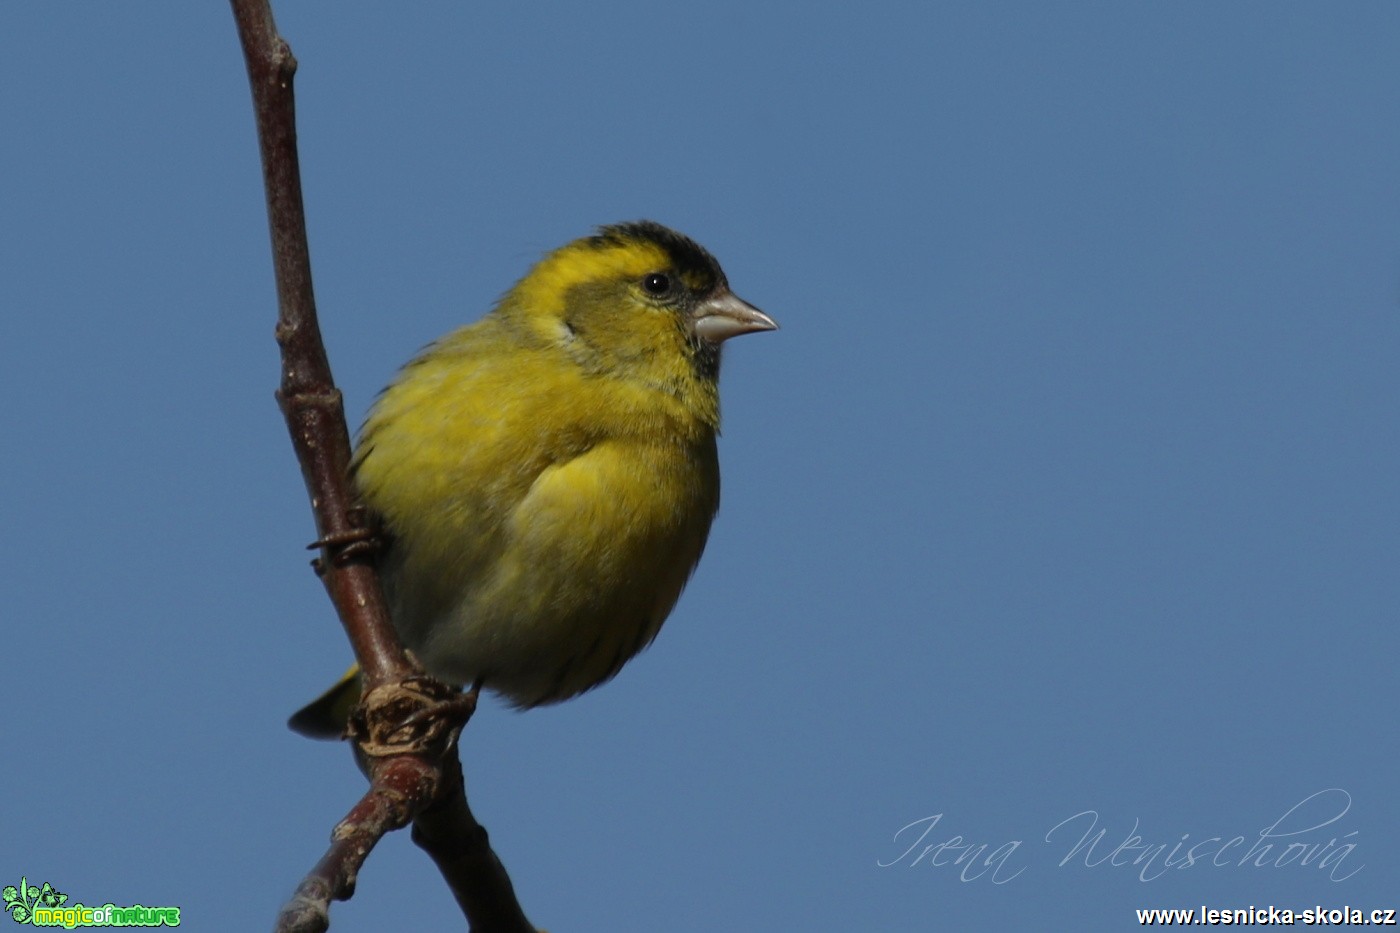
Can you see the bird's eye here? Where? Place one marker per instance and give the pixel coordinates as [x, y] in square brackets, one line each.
[656, 283]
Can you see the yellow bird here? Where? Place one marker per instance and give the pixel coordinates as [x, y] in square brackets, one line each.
[545, 478]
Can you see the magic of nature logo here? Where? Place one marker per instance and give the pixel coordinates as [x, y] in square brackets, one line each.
[46, 906]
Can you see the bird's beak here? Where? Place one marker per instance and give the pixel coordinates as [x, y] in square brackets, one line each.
[727, 315]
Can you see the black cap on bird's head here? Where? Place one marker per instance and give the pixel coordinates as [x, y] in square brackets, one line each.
[689, 258]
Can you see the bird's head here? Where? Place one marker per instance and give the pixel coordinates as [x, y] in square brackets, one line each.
[637, 300]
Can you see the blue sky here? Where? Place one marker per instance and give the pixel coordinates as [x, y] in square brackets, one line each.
[1064, 502]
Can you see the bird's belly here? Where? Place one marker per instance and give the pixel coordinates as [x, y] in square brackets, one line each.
[585, 570]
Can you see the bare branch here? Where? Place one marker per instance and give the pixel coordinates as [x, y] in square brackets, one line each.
[449, 833]
[309, 399]
[407, 727]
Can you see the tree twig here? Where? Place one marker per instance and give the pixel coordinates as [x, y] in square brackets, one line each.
[413, 769]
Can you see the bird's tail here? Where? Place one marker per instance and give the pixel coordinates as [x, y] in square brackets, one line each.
[325, 717]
